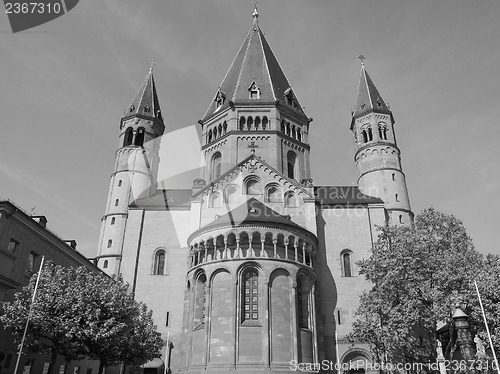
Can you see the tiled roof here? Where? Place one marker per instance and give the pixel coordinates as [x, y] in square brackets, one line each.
[254, 63]
[343, 195]
[146, 101]
[251, 211]
[176, 199]
[368, 98]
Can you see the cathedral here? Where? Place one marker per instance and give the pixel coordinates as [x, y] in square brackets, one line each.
[252, 268]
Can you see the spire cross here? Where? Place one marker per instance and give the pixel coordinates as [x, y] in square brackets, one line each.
[151, 65]
[255, 13]
[362, 59]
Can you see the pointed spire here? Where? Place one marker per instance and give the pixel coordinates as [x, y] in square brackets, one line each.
[146, 101]
[255, 77]
[368, 98]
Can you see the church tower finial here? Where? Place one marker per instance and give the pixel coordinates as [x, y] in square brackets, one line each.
[255, 14]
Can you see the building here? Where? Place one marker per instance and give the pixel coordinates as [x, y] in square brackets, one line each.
[252, 268]
[24, 239]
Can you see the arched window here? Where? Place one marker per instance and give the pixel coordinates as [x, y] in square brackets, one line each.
[216, 165]
[112, 220]
[200, 298]
[231, 194]
[215, 200]
[252, 187]
[400, 218]
[299, 135]
[120, 183]
[139, 137]
[250, 294]
[273, 194]
[370, 134]
[249, 122]
[294, 134]
[346, 257]
[220, 131]
[159, 263]
[210, 136]
[283, 126]
[290, 199]
[129, 136]
[365, 136]
[257, 122]
[290, 162]
[382, 131]
[116, 202]
[105, 265]
[265, 121]
[215, 132]
[242, 123]
[288, 128]
[303, 304]
[225, 127]
[110, 243]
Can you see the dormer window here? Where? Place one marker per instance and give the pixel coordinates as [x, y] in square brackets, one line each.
[254, 91]
[220, 98]
[290, 98]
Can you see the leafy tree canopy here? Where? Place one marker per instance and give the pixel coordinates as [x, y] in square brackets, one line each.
[415, 272]
[78, 313]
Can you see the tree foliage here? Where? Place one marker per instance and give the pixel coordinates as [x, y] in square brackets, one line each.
[415, 272]
[78, 313]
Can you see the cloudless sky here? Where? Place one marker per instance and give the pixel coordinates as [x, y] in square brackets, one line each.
[65, 84]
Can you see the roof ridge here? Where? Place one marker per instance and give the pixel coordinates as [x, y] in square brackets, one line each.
[247, 39]
[267, 64]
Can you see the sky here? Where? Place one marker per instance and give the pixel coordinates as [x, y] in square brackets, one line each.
[65, 85]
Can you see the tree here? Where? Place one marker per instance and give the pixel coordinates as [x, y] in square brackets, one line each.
[78, 313]
[415, 271]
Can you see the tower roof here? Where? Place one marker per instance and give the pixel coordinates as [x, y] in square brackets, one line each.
[368, 98]
[146, 101]
[256, 69]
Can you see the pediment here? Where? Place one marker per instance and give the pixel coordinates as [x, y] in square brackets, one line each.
[253, 167]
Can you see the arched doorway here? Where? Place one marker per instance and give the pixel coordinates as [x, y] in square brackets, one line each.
[356, 361]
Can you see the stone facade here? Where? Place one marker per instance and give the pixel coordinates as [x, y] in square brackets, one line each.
[252, 268]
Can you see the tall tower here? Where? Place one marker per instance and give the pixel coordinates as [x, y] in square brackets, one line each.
[255, 111]
[135, 172]
[377, 156]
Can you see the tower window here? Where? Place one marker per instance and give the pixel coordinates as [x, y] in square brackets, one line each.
[105, 265]
[254, 91]
[110, 243]
[257, 122]
[220, 98]
[112, 220]
[120, 183]
[249, 123]
[382, 131]
[397, 197]
[225, 127]
[216, 166]
[116, 202]
[393, 176]
[242, 123]
[265, 121]
[346, 257]
[250, 295]
[291, 159]
[210, 136]
[367, 134]
[129, 136]
[400, 218]
[159, 264]
[299, 135]
[167, 319]
[339, 321]
[139, 137]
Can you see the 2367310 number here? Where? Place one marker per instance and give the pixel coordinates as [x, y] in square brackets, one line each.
[24, 8]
